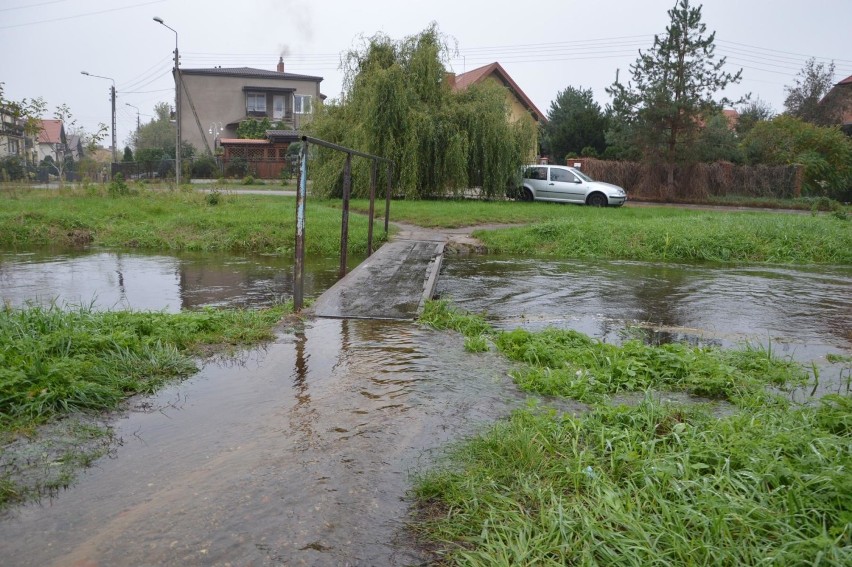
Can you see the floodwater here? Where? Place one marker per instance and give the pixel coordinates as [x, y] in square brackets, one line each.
[301, 452]
[135, 280]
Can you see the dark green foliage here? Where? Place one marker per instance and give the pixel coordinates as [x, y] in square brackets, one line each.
[575, 123]
[671, 94]
[118, 187]
[751, 113]
[237, 167]
[824, 152]
[398, 105]
[717, 141]
[807, 99]
[158, 134]
[128, 154]
[205, 167]
[13, 168]
[256, 129]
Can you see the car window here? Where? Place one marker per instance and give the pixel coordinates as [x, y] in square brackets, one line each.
[539, 173]
[562, 175]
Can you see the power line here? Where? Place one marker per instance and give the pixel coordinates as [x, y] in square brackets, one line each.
[31, 5]
[82, 15]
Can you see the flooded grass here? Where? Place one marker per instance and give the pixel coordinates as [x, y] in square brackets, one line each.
[648, 485]
[571, 364]
[184, 220]
[59, 362]
[653, 484]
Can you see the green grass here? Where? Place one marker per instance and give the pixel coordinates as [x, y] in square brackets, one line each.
[655, 484]
[183, 220]
[56, 361]
[59, 362]
[648, 485]
[639, 233]
[571, 364]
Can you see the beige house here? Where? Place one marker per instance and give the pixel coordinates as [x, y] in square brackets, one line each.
[520, 105]
[214, 101]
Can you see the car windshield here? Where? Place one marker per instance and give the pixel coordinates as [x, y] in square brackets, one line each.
[582, 175]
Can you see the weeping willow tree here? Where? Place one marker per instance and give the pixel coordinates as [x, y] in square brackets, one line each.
[397, 104]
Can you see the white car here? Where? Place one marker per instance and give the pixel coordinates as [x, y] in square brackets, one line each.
[564, 184]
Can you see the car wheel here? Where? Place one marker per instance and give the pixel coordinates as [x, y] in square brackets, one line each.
[526, 195]
[597, 200]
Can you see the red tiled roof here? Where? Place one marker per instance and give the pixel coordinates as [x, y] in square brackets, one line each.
[846, 81]
[51, 132]
[244, 141]
[464, 80]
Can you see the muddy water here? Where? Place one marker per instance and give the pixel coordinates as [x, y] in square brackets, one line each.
[136, 280]
[298, 454]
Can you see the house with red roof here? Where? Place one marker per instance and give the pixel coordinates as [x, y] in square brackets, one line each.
[52, 140]
[842, 94]
[521, 107]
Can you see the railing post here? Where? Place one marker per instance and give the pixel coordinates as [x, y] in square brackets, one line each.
[373, 167]
[344, 225]
[387, 195]
[301, 194]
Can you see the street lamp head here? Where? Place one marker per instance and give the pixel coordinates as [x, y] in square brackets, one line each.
[84, 73]
[159, 20]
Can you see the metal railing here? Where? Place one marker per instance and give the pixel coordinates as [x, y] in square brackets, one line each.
[301, 194]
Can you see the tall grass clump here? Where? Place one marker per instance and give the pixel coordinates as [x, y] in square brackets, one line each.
[571, 364]
[648, 485]
[56, 361]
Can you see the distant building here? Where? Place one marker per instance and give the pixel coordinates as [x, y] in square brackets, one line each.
[52, 140]
[841, 93]
[521, 107]
[214, 101]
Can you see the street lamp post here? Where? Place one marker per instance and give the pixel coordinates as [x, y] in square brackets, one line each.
[112, 98]
[214, 130]
[177, 100]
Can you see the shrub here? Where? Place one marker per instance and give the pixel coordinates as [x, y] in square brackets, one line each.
[117, 187]
[248, 180]
[237, 167]
[205, 166]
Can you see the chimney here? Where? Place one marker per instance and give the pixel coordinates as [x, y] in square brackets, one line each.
[280, 68]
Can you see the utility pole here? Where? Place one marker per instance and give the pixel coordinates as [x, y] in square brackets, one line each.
[138, 125]
[112, 99]
[114, 144]
[178, 96]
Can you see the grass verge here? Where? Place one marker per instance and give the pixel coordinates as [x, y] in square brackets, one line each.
[655, 484]
[175, 220]
[56, 363]
[640, 233]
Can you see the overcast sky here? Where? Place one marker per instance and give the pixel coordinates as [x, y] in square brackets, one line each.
[545, 45]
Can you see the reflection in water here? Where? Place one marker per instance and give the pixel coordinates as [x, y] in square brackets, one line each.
[800, 305]
[301, 455]
[122, 280]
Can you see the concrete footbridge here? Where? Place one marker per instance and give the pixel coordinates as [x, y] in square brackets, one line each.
[393, 283]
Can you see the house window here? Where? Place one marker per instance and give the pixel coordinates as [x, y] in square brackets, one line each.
[255, 103]
[302, 104]
[14, 148]
[278, 107]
